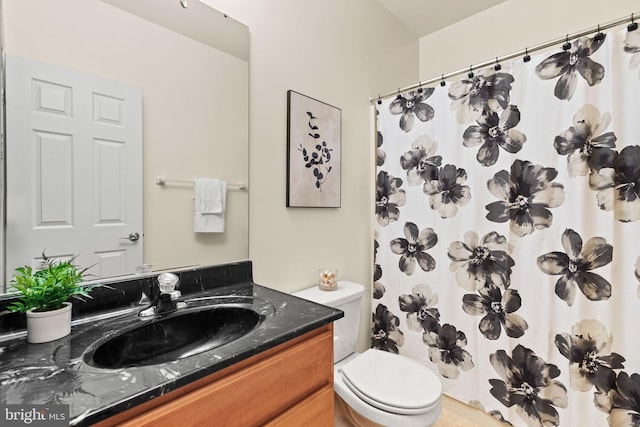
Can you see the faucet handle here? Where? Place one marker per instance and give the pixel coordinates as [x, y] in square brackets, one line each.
[167, 282]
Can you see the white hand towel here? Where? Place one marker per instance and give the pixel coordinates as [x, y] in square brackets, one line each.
[210, 222]
[208, 195]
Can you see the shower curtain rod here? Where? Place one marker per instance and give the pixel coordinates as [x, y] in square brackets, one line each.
[525, 51]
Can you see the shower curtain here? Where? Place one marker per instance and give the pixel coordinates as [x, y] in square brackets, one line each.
[507, 245]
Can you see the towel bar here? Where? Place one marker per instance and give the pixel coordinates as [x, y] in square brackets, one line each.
[162, 181]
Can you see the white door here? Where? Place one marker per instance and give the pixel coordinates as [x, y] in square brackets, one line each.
[74, 169]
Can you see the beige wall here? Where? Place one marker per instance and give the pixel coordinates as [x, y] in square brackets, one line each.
[342, 53]
[510, 27]
[195, 108]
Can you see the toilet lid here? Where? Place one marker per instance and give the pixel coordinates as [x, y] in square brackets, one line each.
[392, 382]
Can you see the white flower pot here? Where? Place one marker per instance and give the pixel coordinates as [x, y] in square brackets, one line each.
[45, 326]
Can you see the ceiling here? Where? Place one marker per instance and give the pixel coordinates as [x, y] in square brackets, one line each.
[422, 17]
[200, 21]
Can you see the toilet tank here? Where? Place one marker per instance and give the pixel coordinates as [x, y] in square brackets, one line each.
[346, 298]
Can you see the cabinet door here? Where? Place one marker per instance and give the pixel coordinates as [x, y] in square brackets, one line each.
[254, 395]
[314, 411]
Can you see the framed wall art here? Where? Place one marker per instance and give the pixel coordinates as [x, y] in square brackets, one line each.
[313, 152]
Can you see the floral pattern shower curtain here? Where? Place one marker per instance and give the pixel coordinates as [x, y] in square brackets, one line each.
[508, 234]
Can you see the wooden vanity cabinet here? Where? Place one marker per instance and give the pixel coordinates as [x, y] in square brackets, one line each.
[288, 385]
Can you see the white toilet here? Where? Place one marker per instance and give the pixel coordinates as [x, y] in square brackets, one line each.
[385, 388]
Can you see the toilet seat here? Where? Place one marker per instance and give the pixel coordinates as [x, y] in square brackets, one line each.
[392, 382]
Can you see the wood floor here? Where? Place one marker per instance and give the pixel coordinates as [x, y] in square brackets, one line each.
[454, 414]
[450, 419]
[458, 414]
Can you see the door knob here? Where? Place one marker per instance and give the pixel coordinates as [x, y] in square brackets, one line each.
[132, 237]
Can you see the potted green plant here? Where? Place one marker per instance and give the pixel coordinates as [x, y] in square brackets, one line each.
[44, 296]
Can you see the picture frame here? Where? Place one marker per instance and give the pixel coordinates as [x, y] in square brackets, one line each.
[314, 151]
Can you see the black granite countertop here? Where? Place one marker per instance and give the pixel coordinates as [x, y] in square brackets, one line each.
[58, 373]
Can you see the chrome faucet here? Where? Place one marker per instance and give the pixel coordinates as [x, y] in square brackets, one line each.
[167, 300]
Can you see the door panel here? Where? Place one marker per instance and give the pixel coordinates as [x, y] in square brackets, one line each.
[74, 168]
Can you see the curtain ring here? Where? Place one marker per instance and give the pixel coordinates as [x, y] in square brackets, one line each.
[526, 57]
[379, 100]
[470, 75]
[419, 87]
[442, 82]
[599, 35]
[399, 96]
[633, 26]
[497, 67]
[567, 44]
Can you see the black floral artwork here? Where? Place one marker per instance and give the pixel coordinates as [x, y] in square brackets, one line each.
[447, 352]
[314, 152]
[378, 288]
[494, 132]
[632, 46]
[412, 105]
[637, 274]
[381, 156]
[565, 64]
[574, 267]
[603, 401]
[587, 147]
[527, 382]
[420, 306]
[618, 186]
[486, 90]
[625, 401]
[385, 334]
[498, 310]
[421, 163]
[526, 193]
[389, 196]
[318, 159]
[591, 362]
[412, 248]
[447, 192]
[498, 219]
[478, 262]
